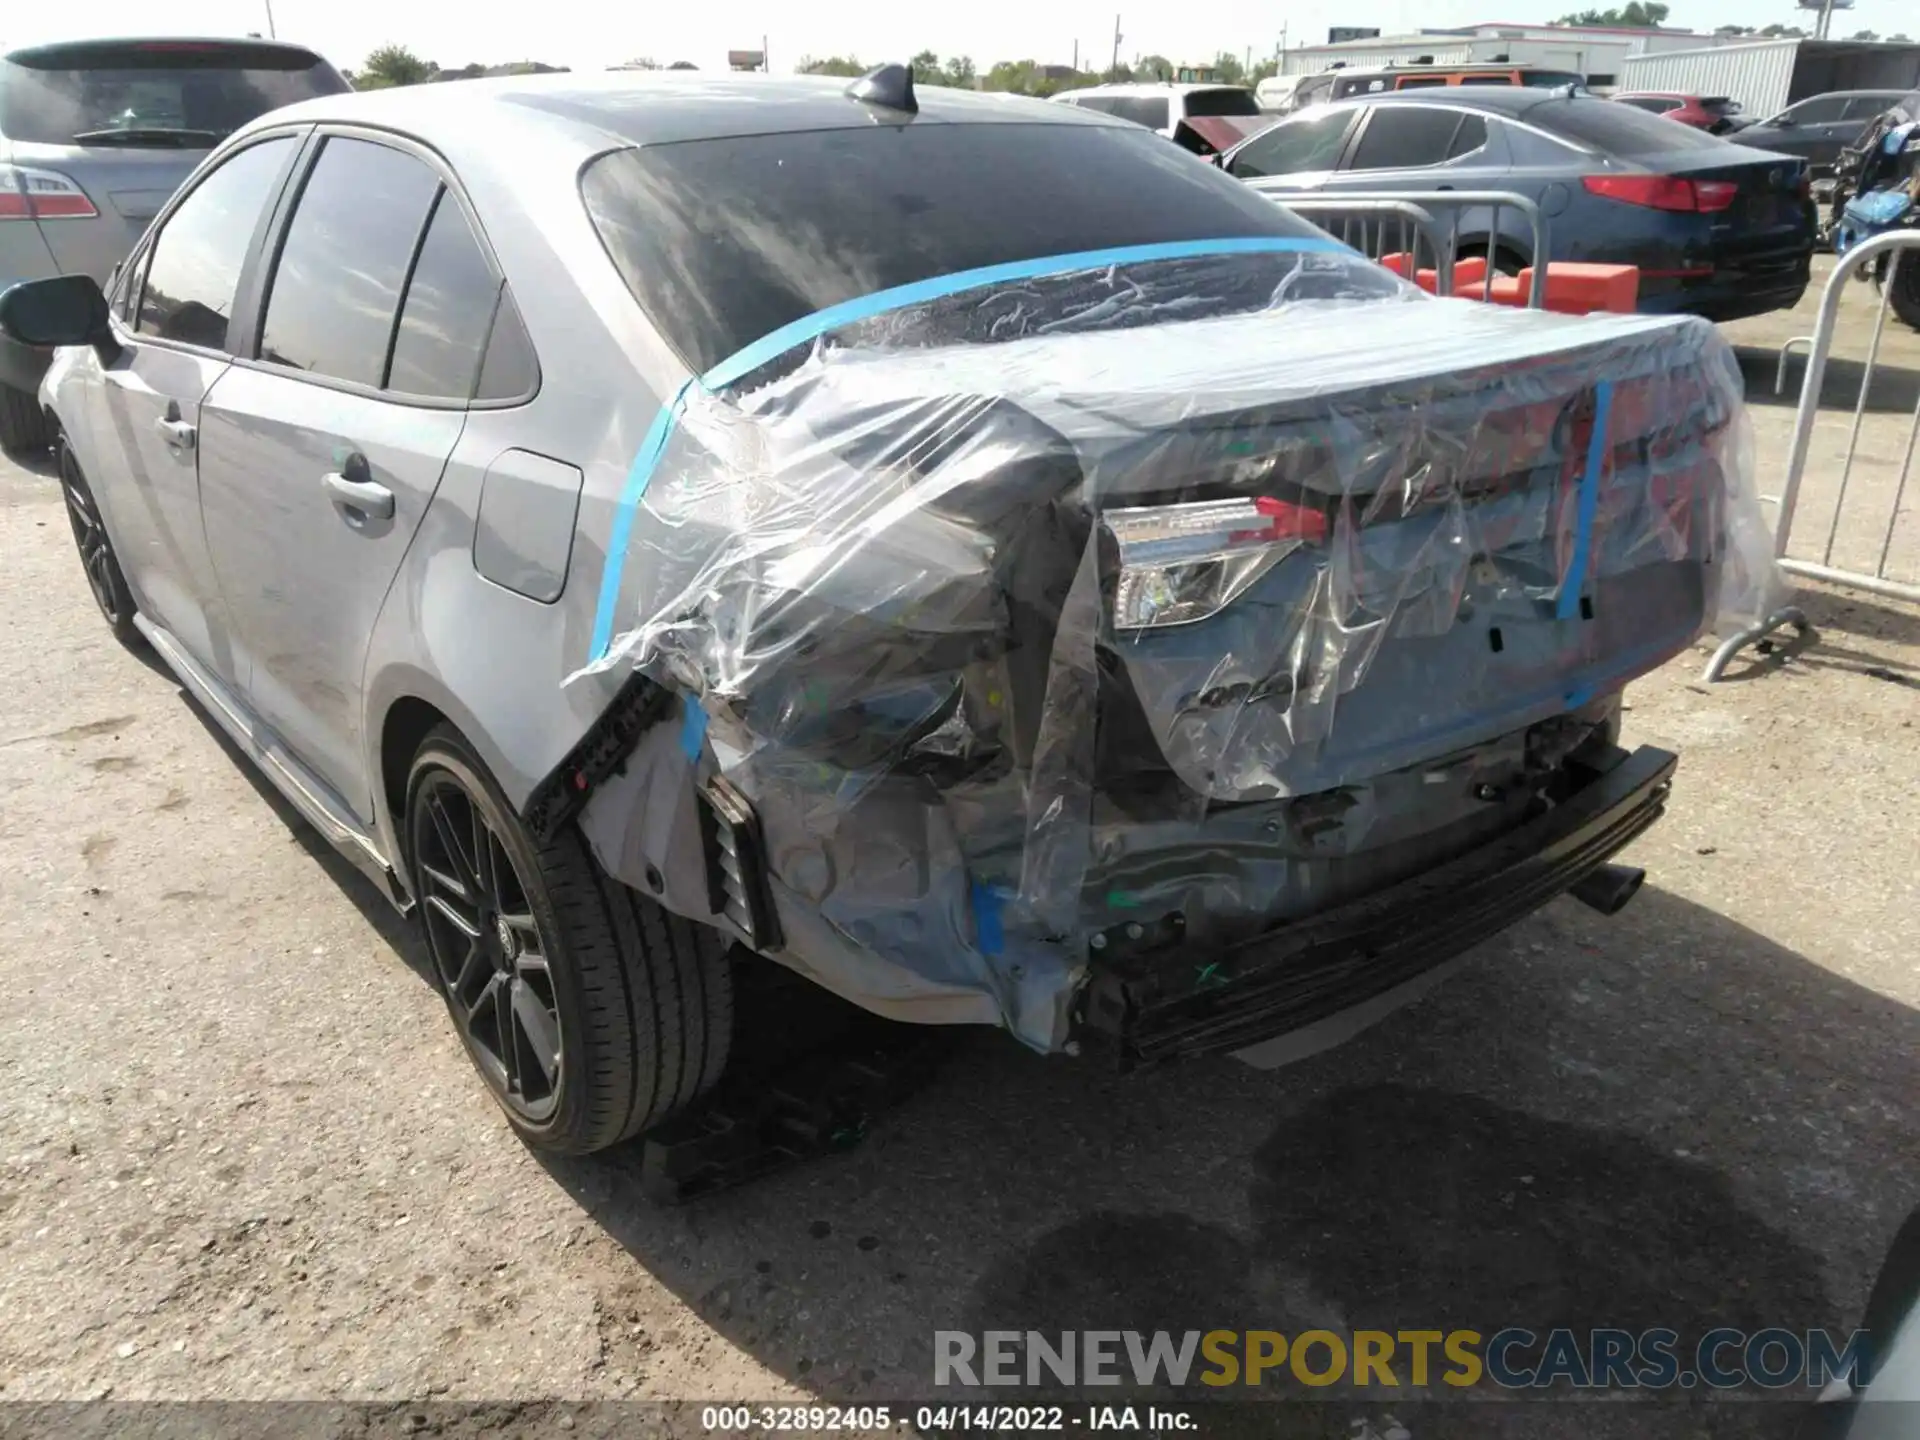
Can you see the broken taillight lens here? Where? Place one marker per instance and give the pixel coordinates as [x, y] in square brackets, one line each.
[1182, 563]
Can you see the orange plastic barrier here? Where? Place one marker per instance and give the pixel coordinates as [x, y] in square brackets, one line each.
[1573, 287]
[1577, 288]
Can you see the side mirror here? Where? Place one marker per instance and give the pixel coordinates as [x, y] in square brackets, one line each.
[1783, 122]
[63, 310]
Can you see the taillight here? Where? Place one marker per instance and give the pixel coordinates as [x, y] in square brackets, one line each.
[1182, 563]
[1664, 192]
[27, 194]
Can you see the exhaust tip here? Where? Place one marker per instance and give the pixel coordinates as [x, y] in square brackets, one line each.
[1609, 888]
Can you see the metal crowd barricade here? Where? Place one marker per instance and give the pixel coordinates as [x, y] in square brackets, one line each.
[1902, 248]
[1421, 224]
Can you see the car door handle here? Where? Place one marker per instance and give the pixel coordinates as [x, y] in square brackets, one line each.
[177, 433]
[362, 498]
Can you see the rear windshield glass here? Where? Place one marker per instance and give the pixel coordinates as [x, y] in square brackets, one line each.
[724, 241]
[1614, 129]
[1222, 102]
[1551, 79]
[152, 92]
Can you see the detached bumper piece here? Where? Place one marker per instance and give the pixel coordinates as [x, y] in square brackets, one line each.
[1178, 1004]
[737, 865]
[563, 794]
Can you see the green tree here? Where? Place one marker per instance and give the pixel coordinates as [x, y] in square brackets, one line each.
[1863, 35]
[1636, 14]
[1121, 74]
[1898, 38]
[1229, 68]
[1265, 70]
[833, 65]
[1154, 67]
[683, 65]
[959, 71]
[1782, 32]
[926, 68]
[394, 65]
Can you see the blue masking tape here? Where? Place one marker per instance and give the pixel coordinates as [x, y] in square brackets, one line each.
[986, 919]
[866, 307]
[1589, 502]
[693, 729]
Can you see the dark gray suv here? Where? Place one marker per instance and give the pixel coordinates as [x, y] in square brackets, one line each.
[95, 135]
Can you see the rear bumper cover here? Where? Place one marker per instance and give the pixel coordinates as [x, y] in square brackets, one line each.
[1172, 1005]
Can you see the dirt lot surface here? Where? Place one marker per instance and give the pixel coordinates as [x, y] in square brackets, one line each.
[242, 1156]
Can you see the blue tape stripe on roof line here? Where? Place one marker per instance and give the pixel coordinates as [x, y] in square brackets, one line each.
[1576, 580]
[866, 307]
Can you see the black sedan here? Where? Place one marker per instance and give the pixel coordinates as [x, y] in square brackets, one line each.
[1716, 229]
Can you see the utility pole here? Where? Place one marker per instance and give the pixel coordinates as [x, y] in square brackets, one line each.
[1116, 42]
[1826, 19]
[272, 34]
[1076, 57]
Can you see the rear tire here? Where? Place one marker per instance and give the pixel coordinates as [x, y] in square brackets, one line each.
[24, 429]
[591, 1012]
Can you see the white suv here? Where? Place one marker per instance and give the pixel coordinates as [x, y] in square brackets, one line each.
[1162, 107]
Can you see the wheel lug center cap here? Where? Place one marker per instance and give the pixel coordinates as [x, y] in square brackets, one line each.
[509, 946]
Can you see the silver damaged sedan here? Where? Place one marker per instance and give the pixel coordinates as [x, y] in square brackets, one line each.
[962, 550]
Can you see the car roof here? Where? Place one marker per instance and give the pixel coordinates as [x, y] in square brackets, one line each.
[1496, 99]
[66, 51]
[1155, 87]
[662, 107]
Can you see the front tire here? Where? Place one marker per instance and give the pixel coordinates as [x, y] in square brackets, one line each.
[97, 557]
[591, 1012]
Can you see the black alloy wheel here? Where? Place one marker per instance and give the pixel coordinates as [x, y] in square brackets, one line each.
[490, 953]
[102, 566]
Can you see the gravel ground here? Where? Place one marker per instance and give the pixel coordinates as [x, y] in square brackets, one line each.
[242, 1156]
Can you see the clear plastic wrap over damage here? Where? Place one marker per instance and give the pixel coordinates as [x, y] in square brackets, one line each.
[1202, 592]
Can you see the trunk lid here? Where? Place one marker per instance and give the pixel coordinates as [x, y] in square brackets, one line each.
[1478, 562]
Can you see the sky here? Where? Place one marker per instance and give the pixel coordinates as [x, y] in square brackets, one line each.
[597, 33]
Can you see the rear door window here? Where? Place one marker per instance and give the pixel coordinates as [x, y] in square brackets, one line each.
[1486, 80]
[1652, 104]
[1468, 137]
[183, 93]
[200, 250]
[1404, 137]
[353, 236]
[1295, 147]
[449, 307]
[1821, 110]
[1865, 107]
